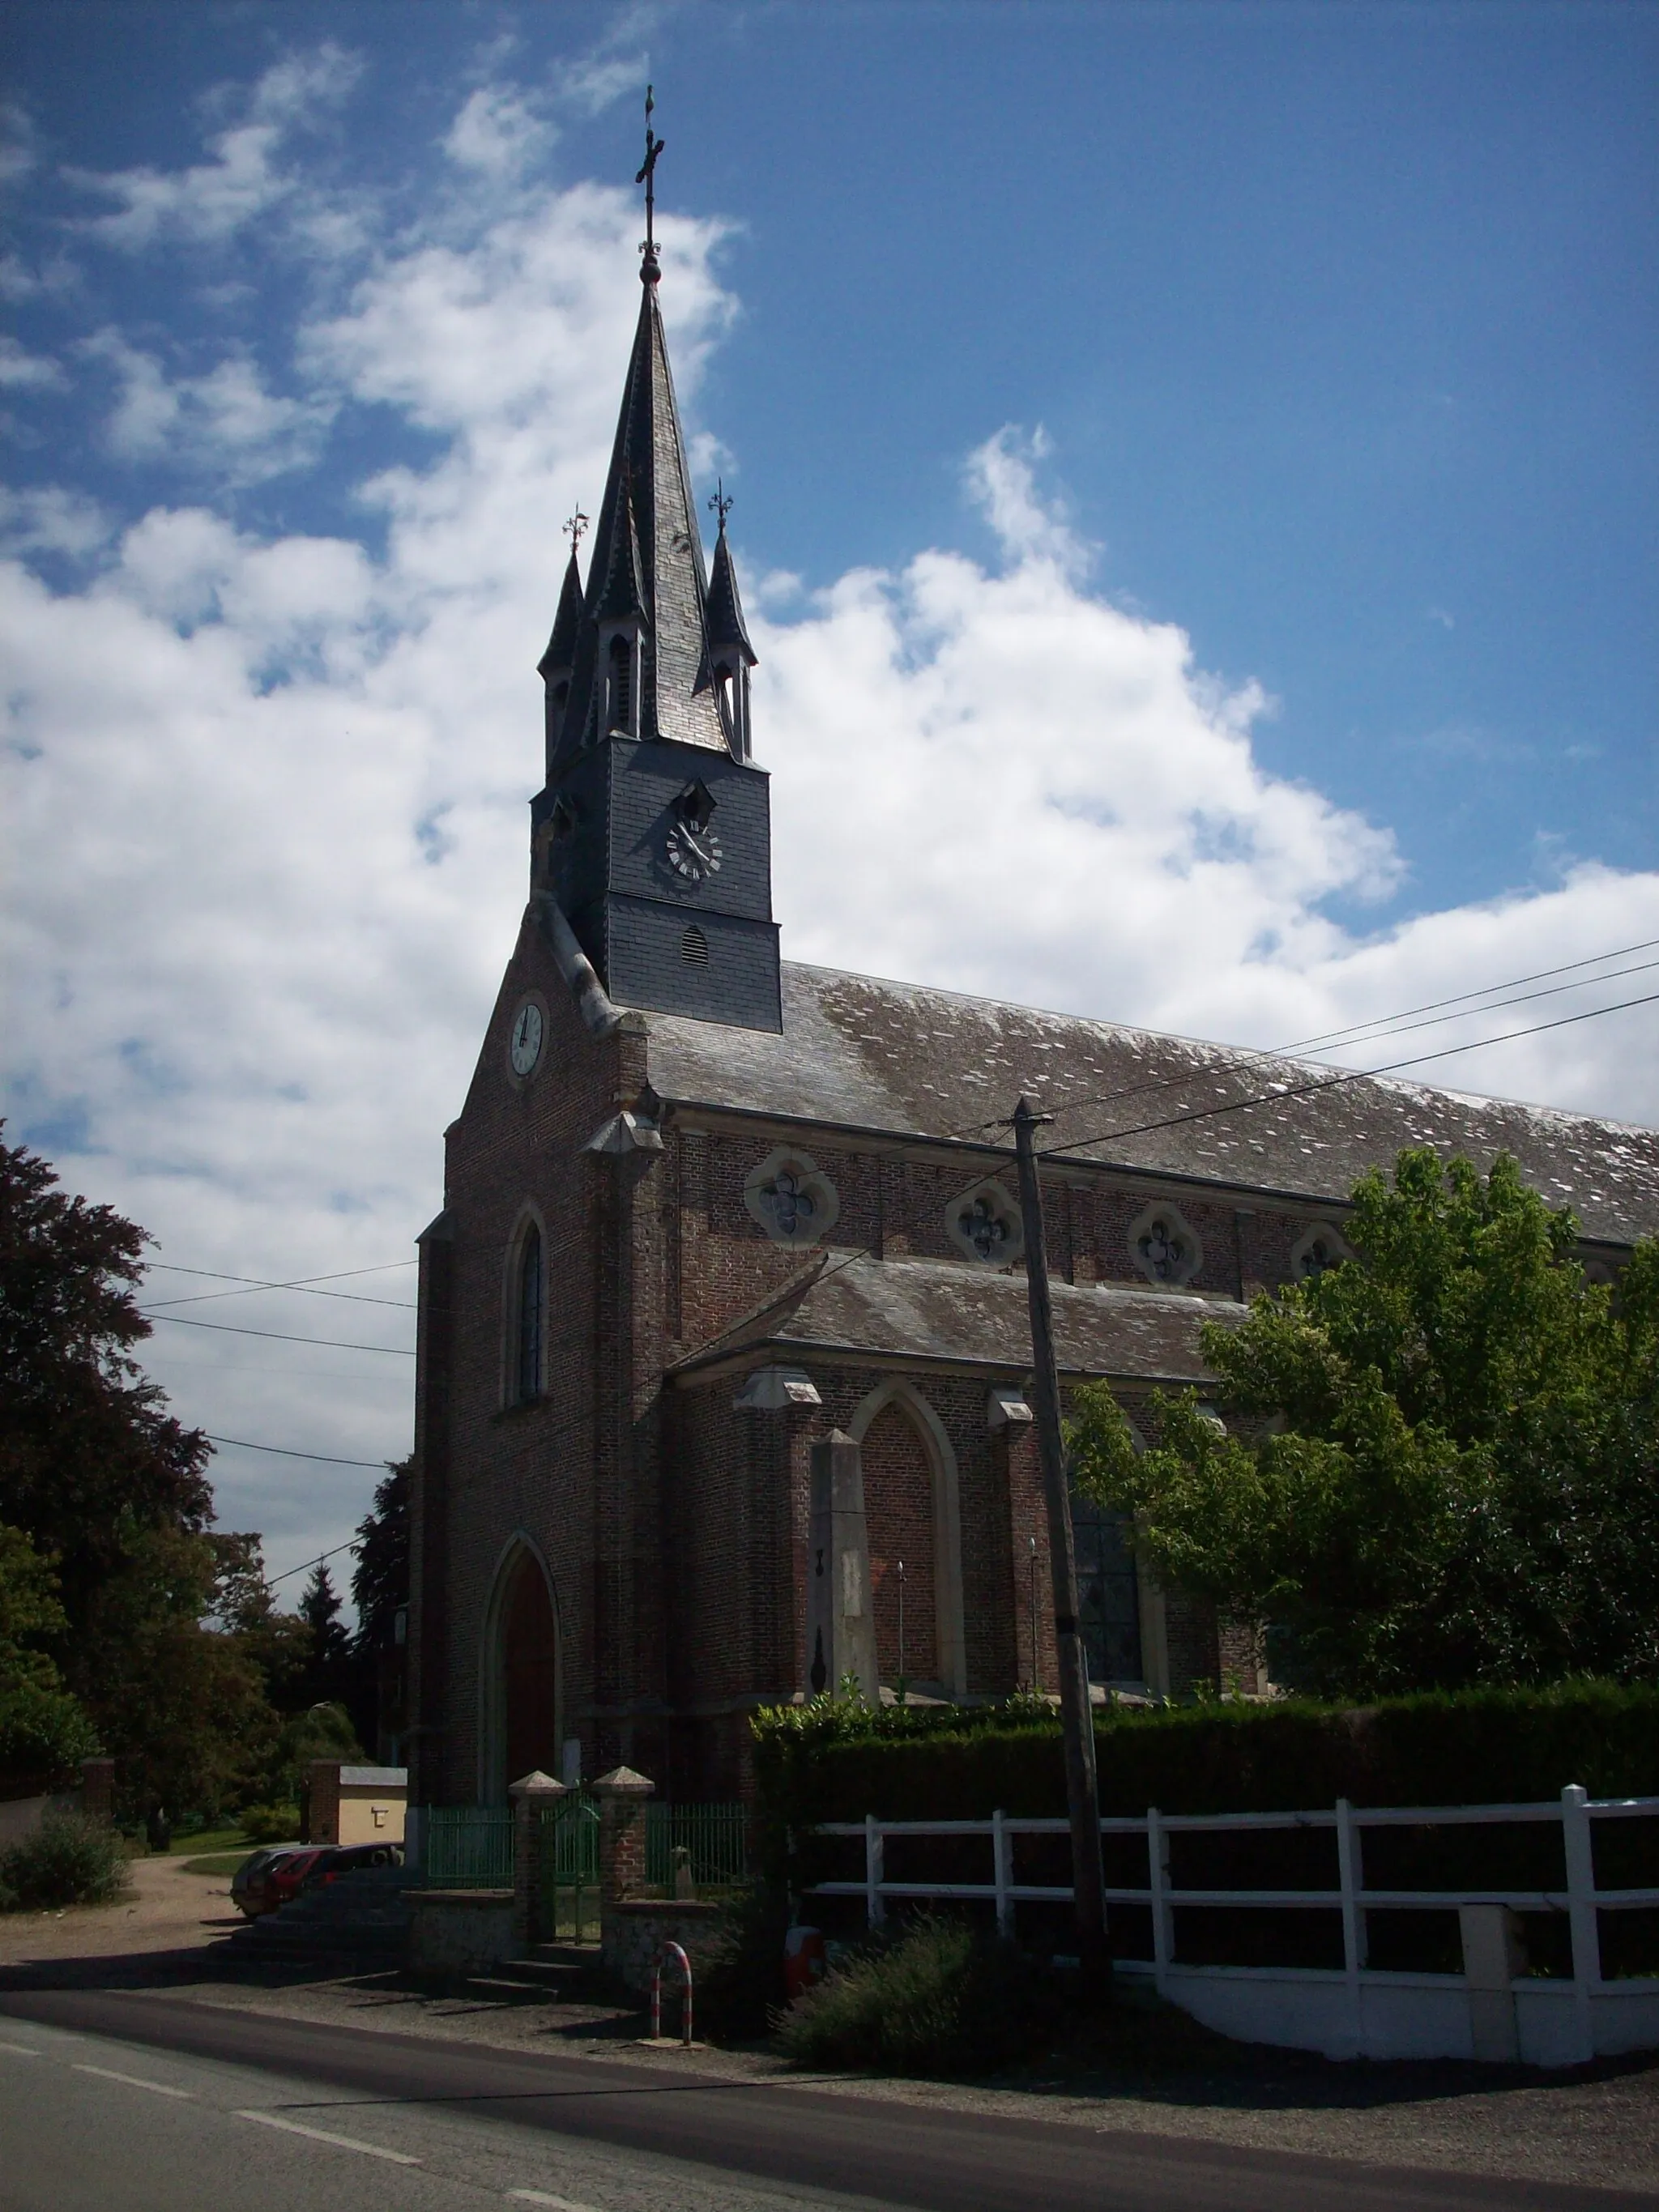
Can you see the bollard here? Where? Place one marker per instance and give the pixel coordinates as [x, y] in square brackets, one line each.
[656, 1994]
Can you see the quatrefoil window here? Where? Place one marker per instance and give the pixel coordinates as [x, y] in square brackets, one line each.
[984, 1226]
[1165, 1248]
[791, 1198]
[1318, 1249]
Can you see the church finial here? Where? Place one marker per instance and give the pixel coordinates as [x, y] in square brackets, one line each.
[646, 176]
[719, 503]
[573, 528]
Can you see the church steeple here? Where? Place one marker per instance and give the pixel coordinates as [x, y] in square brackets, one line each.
[643, 638]
[652, 835]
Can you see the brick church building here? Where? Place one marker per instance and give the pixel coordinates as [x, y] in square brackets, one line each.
[703, 1205]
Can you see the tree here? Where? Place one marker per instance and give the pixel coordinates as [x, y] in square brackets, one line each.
[102, 1480]
[328, 1669]
[379, 1581]
[1448, 1472]
[43, 1729]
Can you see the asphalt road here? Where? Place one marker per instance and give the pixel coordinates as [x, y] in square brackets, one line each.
[122, 2102]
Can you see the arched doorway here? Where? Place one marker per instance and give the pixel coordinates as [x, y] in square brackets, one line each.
[521, 1683]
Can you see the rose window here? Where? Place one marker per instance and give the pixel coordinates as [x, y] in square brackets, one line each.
[1164, 1247]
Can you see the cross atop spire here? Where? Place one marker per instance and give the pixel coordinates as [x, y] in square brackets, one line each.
[647, 176]
[574, 527]
[718, 502]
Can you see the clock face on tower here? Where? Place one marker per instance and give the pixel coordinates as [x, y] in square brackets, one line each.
[526, 1046]
[693, 853]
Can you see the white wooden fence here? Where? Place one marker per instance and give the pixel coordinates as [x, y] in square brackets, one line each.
[1490, 2011]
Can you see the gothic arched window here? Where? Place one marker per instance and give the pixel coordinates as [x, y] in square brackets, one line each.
[529, 1373]
[622, 672]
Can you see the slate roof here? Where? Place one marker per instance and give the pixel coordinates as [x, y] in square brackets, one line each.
[648, 560]
[858, 1050]
[726, 623]
[924, 1309]
[567, 622]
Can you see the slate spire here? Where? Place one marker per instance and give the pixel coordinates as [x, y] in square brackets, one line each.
[640, 659]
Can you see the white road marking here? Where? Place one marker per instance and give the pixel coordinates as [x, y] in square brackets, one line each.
[541, 2196]
[134, 2082]
[21, 2051]
[322, 2135]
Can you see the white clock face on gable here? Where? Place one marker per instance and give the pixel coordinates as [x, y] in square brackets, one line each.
[526, 1045]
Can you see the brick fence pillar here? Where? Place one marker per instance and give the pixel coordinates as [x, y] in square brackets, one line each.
[98, 1790]
[529, 1794]
[622, 1795]
[323, 1802]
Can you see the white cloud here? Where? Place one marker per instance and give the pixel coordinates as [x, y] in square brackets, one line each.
[497, 132]
[22, 371]
[244, 178]
[225, 421]
[264, 800]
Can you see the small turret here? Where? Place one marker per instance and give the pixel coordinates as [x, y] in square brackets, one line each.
[729, 655]
[558, 664]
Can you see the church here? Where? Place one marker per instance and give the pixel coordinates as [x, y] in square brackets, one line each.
[704, 1207]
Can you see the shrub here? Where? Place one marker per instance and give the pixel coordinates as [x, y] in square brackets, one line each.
[270, 1824]
[1471, 1747]
[68, 1860]
[740, 1975]
[941, 1998]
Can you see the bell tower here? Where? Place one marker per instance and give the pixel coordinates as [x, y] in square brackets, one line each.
[653, 830]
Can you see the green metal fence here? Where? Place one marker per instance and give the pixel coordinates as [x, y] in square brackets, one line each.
[466, 1847]
[713, 1838]
[569, 1862]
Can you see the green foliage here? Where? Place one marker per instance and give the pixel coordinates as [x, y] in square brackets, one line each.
[740, 1975]
[379, 1580]
[939, 1999]
[322, 1731]
[68, 1860]
[109, 1488]
[270, 1824]
[1458, 1480]
[1473, 1747]
[43, 1729]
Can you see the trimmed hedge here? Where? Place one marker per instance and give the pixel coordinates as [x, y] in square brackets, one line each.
[1467, 1747]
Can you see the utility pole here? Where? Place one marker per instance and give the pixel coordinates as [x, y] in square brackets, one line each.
[1076, 1720]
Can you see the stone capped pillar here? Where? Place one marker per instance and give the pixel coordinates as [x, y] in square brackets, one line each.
[531, 1795]
[841, 1620]
[622, 1795]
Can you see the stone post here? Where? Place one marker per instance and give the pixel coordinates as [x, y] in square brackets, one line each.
[840, 1622]
[531, 1794]
[98, 1790]
[622, 1795]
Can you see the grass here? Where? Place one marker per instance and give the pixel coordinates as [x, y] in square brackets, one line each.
[215, 1862]
[209, 1840]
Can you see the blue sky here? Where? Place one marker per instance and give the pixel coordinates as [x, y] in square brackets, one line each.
[1195, 470]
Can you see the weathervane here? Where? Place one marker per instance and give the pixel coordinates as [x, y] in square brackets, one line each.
[647, 177]
[719, 502]
[574, 529]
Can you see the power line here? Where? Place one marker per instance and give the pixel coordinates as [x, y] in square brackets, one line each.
[272, 1580]
[1512, 983]
[1372, 1031]
[303, 1283]
[1353, 1075]
[227, 1329]
[328, 1459]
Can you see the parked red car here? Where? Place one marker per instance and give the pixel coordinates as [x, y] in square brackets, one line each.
[280, 1878]
[250, 1886]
